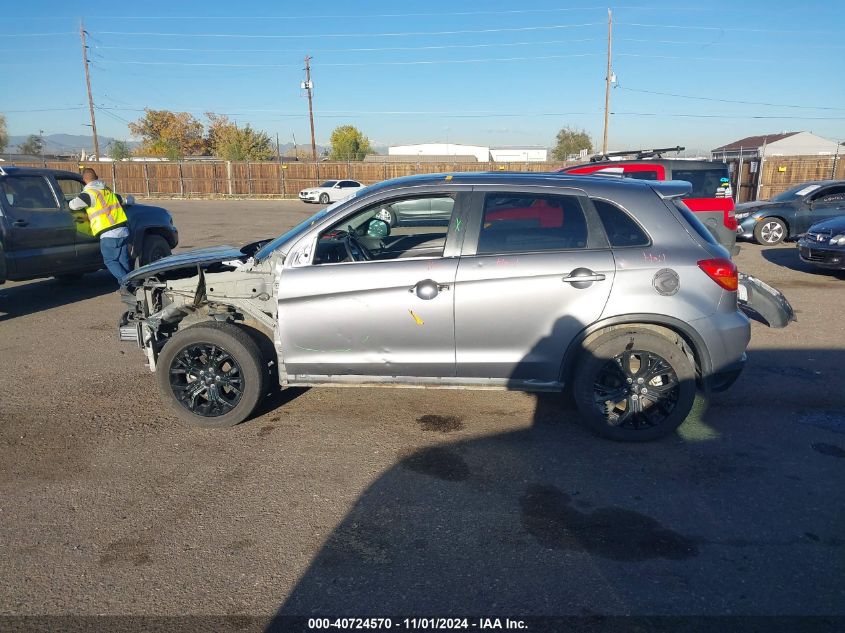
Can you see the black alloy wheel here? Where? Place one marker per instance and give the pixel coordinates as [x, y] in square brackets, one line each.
[206, 379]
[636, 390]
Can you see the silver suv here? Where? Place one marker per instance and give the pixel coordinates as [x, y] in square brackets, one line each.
[535, 282]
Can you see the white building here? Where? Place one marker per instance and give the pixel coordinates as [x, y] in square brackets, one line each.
[519, 155]
[482, 154]
[440, 149]
[783, 144]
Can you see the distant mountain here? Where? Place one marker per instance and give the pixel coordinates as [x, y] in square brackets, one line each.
[67, 143]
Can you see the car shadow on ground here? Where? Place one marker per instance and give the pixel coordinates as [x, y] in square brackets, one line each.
[44, 294]
[786, 255]
[552, 520]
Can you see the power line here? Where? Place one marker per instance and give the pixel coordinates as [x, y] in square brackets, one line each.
[346, 64]
[349, 16]
[722, 28]
[732, 116]
[79, 107]
[36, 34]
[762, 103]
[304, 36]
[344, 50]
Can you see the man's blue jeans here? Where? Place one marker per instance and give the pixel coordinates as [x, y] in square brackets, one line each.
[115, 252]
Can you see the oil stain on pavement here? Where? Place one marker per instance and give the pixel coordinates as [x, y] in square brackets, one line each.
[124, 551]
[440, 423]
[614, 533]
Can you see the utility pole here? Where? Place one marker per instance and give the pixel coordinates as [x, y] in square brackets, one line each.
[309, 87]
[607, 78]
[88, 86]
[278, 149]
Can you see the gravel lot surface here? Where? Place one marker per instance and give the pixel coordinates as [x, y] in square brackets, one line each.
[389, 501]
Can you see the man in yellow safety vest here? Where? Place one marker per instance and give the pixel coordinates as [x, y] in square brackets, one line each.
[108, 222]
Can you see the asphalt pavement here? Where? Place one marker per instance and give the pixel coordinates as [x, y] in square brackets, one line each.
[418, 502]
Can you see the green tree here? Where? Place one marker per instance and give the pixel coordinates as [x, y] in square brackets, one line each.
[119, 150]
[4, 135]
[168, 134]
[571, 141]
[33, 144]
[228, 141]
[348, 143]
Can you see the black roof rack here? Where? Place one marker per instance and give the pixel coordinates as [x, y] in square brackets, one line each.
[637, 153]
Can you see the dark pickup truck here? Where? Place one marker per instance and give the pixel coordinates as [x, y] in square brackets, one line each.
[41, 237]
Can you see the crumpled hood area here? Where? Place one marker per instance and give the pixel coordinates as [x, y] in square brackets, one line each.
[198, 257]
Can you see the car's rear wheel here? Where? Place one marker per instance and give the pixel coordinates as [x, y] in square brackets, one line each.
[324, 198]
[211, 375]
[155, 247]
[634, 385]
[770, 231]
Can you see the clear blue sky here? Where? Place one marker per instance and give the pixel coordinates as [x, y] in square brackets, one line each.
[541, 65]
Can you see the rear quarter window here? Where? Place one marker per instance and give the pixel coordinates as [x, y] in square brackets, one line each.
[621, 229]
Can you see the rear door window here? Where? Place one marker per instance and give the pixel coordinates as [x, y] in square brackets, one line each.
[621, 228]
[520, 223]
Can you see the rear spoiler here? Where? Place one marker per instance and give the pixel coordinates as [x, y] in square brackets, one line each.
[668, 189]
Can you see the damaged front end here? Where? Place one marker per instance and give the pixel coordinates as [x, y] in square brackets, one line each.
[223, 284]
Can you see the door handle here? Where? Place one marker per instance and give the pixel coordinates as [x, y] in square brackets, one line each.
[427, 289]
[20, 223]
[583, 277]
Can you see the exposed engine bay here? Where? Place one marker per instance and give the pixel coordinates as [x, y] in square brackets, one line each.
[222, 284]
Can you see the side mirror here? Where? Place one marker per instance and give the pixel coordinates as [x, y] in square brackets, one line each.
[129, 200]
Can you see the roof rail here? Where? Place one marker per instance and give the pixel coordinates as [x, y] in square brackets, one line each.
[637, 153]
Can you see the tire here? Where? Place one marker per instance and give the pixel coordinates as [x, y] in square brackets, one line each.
[239, 357]
[324, 198]
[614, 411]
[770, 231]
[70, 278]
[155, 247]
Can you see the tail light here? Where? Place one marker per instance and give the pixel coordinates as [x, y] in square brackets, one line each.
[730, 220]
[722, 271]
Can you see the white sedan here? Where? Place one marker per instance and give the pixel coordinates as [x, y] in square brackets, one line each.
[330, 191]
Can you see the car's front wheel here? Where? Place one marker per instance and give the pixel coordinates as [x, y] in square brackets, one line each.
[211, 375]
[324, 198]
[634, 385]
[770, 231]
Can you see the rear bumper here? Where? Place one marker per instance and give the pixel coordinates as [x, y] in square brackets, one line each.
[726, 336]
[725, 379]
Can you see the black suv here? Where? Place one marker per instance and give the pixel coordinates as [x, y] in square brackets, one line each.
[40, 236]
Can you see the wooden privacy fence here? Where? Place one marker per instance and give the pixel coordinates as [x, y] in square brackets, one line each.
[204, 179]
[752, 179]
[756, 180]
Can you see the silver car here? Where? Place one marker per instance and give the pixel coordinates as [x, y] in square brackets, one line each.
[610, 288]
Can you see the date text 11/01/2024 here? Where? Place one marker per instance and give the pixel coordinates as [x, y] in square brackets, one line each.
[416, 623]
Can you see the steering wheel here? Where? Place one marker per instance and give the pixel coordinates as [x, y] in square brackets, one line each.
[354, 248]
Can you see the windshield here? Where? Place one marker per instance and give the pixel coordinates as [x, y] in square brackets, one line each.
[796, 192]
[328, 184]
[303, 226]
